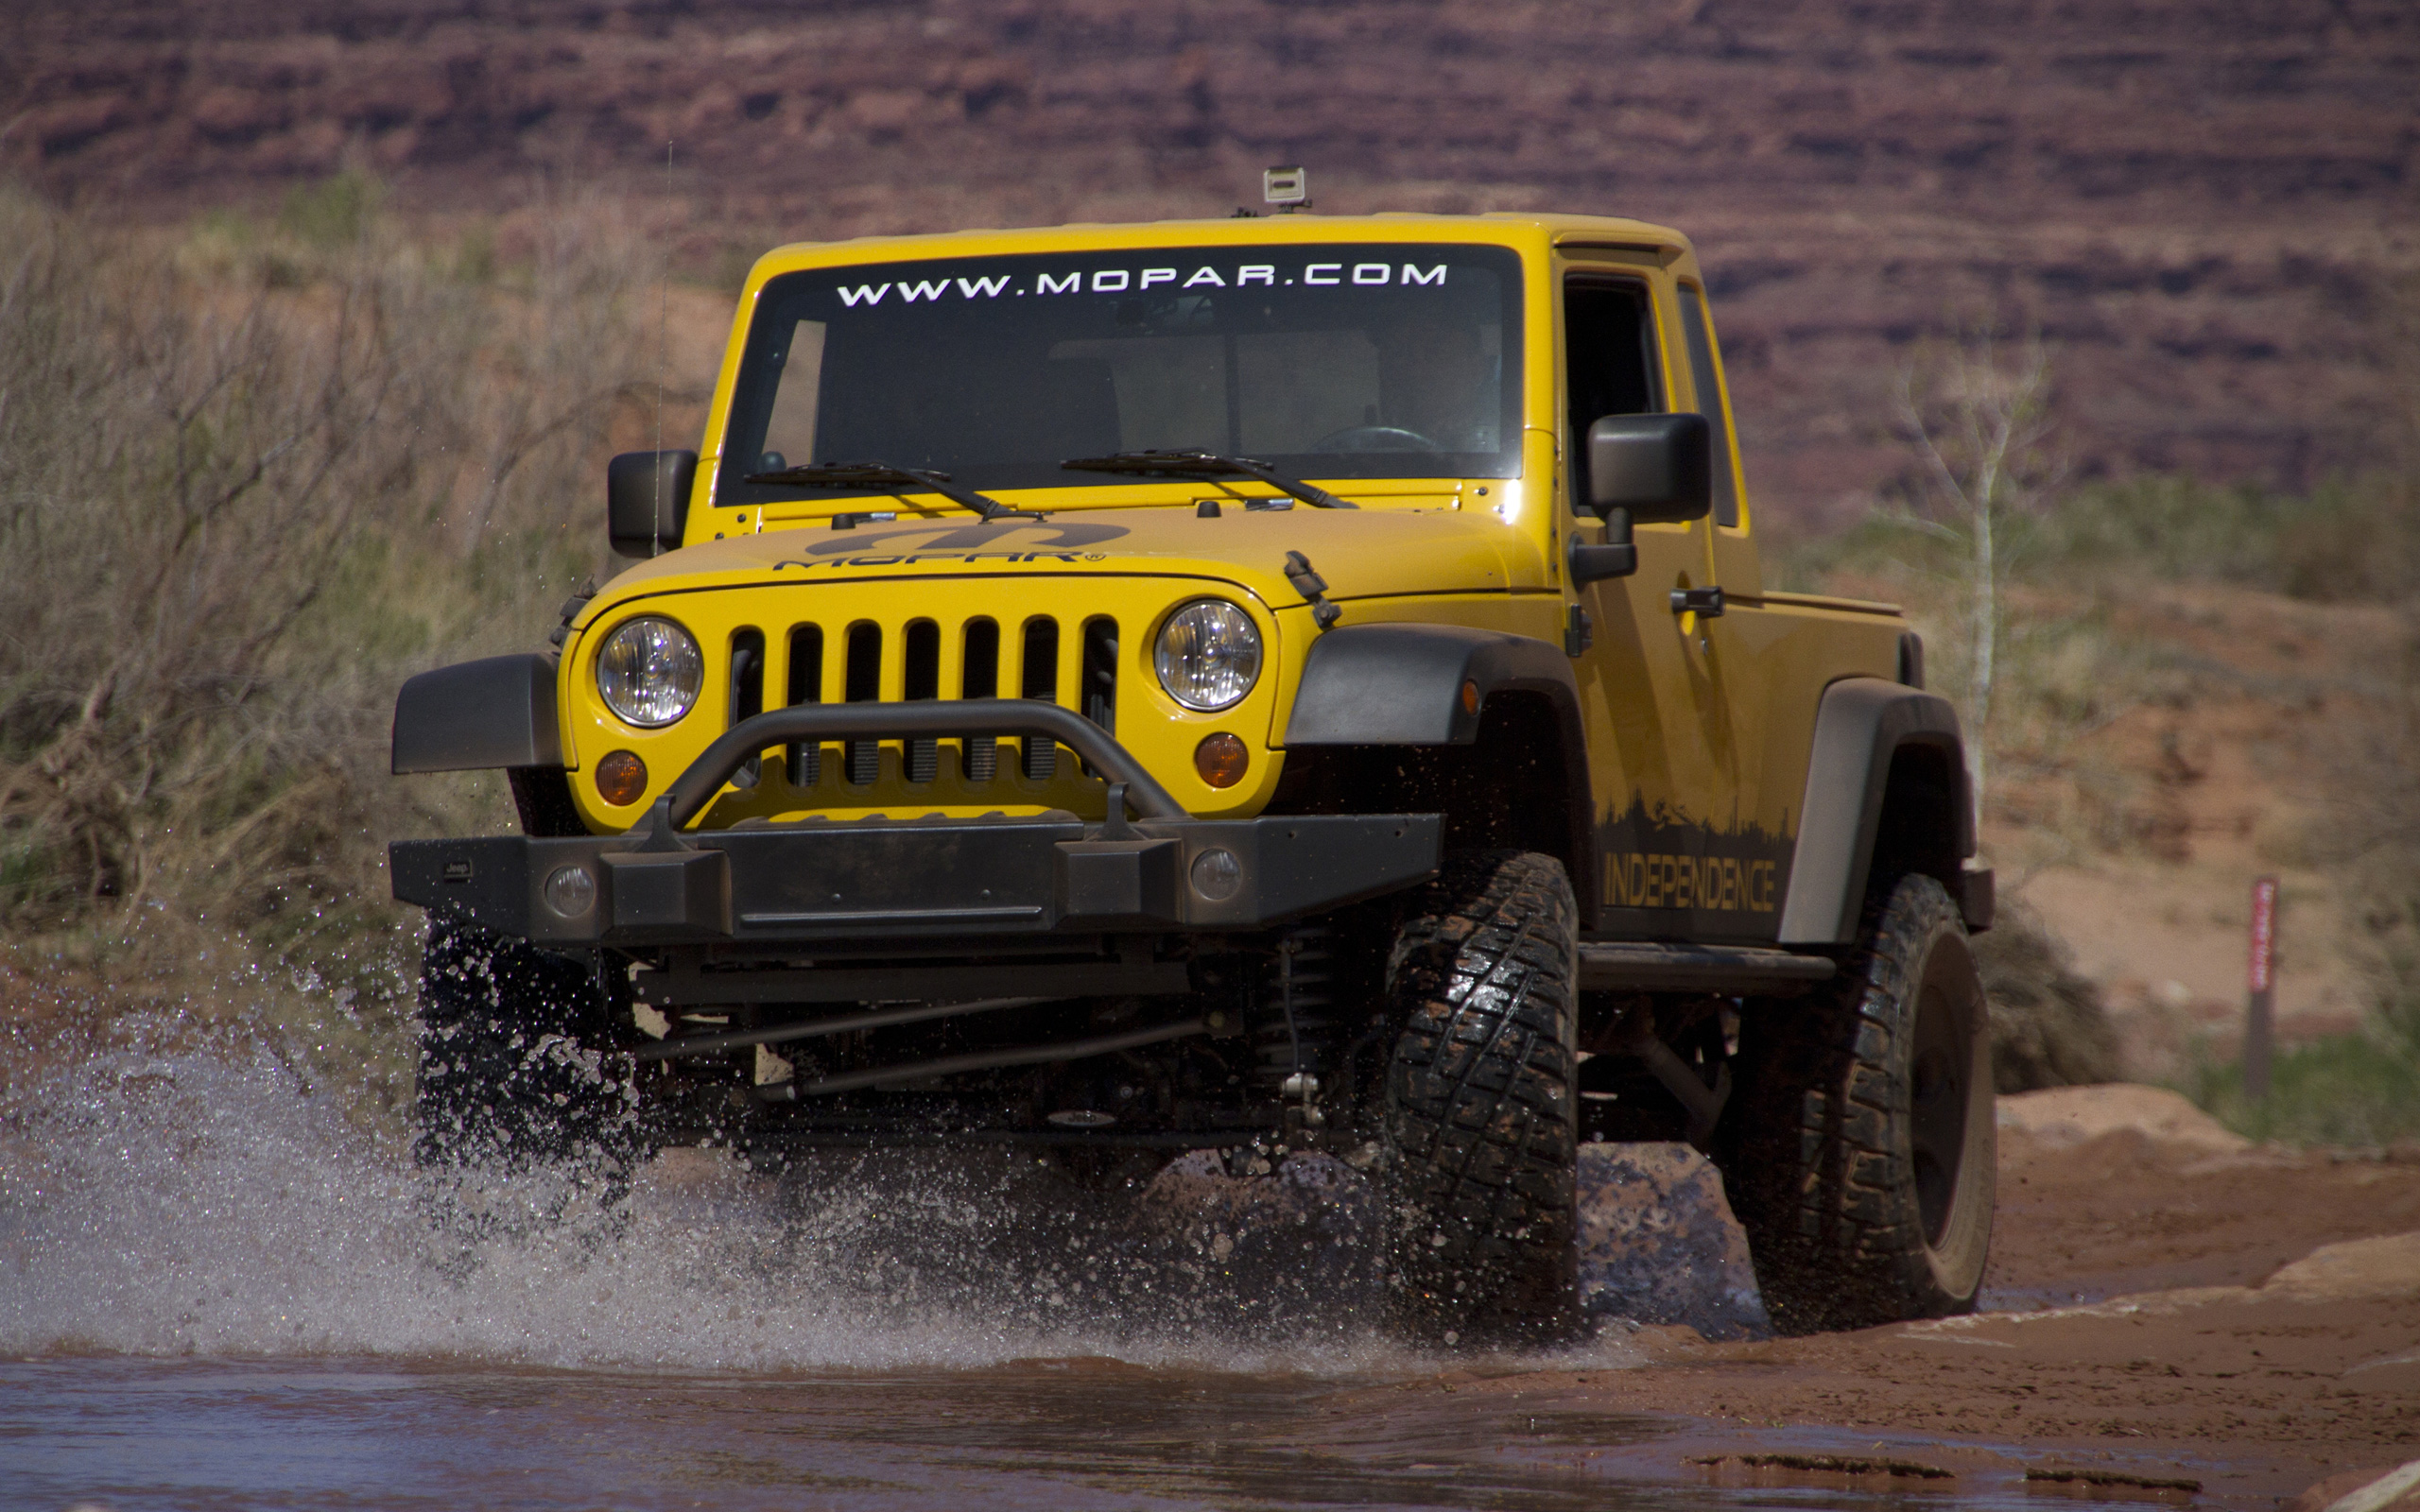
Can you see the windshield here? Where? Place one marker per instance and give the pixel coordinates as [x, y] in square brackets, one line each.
[1356, 360]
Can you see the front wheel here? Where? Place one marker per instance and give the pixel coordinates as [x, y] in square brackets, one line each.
[1481, 1127]
[1859, 1148]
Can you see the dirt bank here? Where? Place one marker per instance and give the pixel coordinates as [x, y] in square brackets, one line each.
[2157, 1304]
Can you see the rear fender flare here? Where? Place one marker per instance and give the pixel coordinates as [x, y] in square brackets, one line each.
[1862, 725]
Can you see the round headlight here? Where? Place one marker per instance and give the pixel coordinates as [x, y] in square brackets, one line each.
[1209, 655]
[649, 671]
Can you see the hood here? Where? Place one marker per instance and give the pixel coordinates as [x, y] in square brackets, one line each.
[1363, 553]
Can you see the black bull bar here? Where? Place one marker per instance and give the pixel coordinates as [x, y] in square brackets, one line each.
[937, 879]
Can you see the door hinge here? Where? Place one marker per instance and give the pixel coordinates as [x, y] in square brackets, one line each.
[1579, 631]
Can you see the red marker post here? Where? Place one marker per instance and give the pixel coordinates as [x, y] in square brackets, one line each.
[2260, 977]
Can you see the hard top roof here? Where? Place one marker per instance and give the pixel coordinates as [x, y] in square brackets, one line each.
[1500, 228]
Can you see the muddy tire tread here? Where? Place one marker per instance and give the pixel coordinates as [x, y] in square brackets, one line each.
[1481, 1097]
[1817, 1155]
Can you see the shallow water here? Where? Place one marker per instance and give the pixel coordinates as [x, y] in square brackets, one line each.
[132, 1434]
[215, 1291]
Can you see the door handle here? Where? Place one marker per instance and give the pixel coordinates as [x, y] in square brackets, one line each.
[1705, 603]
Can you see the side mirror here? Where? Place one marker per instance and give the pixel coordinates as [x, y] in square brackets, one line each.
[646, 500]
[1659, 467]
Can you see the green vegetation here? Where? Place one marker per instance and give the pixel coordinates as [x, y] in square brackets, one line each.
[334, 214]
[2350, 1090]
[252, 477]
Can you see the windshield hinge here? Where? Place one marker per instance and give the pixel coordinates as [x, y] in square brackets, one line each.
[571, 607]
[1311, 586]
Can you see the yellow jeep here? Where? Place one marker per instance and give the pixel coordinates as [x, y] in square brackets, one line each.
[1256, 685]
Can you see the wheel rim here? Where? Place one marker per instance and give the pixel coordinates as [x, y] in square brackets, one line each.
[1938, 1098]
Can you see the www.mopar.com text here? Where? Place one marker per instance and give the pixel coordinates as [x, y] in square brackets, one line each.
[1119, 280]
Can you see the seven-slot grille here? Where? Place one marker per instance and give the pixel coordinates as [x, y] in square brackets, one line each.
[864, 661]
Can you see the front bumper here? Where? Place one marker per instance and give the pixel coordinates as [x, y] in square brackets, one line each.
[941, 880]
[930, 879]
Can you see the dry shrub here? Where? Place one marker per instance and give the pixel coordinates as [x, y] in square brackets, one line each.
[249, 482]
[2049, 1027]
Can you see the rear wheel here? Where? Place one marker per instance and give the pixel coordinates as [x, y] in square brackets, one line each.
[1481, 1134]
[519, 1063]
[1859, 1148]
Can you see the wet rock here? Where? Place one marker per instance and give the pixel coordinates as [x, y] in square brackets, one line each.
[1658, 1243]
[1308, 1221]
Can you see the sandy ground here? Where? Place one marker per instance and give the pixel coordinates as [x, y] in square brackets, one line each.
[2169, 1294]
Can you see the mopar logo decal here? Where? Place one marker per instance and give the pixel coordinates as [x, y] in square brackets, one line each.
[1066, 537]
[944, 556]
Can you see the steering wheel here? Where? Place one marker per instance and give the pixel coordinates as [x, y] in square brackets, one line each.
[1374, 438]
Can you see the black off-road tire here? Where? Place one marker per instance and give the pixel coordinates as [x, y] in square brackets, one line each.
[519, 1058]
[1481, 1133]
[1858, 1150]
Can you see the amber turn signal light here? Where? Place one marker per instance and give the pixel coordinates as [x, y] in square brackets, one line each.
[1221, 758]
[621, 779]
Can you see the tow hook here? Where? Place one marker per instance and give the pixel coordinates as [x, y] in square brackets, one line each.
[1311, 586]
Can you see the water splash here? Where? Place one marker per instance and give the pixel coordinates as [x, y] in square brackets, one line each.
[206, 1204]
[214, 1203]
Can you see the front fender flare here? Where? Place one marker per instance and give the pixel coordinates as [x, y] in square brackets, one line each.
[1402, 684]
[1408, 684]
[475, 715]
[1861, 723]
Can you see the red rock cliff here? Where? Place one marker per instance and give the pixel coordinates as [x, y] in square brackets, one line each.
[2208, 206]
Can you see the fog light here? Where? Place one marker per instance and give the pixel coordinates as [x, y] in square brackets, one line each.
[1218, 875]
[621, 779]
[571, 891]
[1221, 758]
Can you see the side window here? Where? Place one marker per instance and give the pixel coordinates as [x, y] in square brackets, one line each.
[1699, 334]
[1609, 353]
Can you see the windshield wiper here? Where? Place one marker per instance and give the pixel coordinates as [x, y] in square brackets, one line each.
[1205, 465]
[899, 480]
